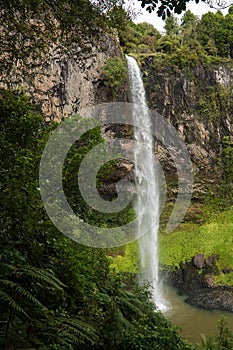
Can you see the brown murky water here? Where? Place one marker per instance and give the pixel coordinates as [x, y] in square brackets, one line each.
[193, 321]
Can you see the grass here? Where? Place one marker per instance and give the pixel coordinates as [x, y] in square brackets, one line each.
[212, 238]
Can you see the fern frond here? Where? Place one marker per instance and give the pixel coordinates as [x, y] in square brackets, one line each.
[203, 339]
[122, 320]
[129, 305]
[70, 336]
[42, 275]
[105, 297]
[22, 291]
[77, 330]
[12, 303]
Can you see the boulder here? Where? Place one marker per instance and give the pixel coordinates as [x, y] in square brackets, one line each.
[210, 261]
[199, 261]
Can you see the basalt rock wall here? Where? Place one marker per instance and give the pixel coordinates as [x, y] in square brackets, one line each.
[198, 102]
[63, 84]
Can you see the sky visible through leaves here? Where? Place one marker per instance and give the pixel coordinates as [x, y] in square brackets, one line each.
[196, 9]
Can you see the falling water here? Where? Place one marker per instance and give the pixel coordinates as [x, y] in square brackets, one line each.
[147, 206]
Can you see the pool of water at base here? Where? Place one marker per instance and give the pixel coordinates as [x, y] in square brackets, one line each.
[193, 321]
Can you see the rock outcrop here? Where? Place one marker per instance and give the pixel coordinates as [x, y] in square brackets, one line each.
[62, 84]
[198, 102]
[199, 261]
[196, 280]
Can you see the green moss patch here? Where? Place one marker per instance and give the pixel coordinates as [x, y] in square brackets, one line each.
[212, 238]
[125, 260]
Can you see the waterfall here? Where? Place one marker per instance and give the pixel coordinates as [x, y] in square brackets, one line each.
[147, 185]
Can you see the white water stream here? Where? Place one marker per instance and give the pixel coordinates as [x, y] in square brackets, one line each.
[147, 184]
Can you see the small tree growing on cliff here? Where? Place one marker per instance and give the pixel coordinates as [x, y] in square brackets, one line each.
[115, 74]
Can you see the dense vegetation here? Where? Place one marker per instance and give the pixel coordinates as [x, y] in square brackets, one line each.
[51, 297]
[191, 239]
[193, 39]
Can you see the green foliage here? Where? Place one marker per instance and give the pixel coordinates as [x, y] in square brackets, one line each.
[115, 13]
[212, 238]
[216, 30]
[188, 19]
[131, 321]
[125, 260]
[207, 41]
[139, 38]
[208, 343]
[222, 199]
[227, 160]
[115, 73]
[71, 187]
[171, 25]
[208, 105]
[224, 337]
[56, 294]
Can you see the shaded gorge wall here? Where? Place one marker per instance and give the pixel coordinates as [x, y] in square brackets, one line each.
[198, 101]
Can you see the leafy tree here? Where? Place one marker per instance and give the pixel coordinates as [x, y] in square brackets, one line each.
[171, 25]
[139, 37]
[189, 27]
[216, 31]
[229, 30]
[189, 19]
[145, 28]
[170, 42]
[34, 301]
[115, 73]
[230, 11]
[165, 8]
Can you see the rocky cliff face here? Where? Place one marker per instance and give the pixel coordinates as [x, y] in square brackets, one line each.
[63, 85]
[198, 102]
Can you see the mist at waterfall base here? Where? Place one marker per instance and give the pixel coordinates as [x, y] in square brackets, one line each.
[147, 184]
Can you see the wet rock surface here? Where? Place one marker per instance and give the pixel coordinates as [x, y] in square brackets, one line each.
[199, 286]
